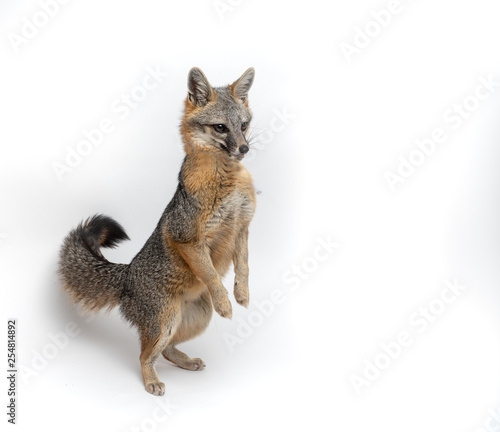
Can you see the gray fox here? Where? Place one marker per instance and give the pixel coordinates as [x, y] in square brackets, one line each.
[170, 287]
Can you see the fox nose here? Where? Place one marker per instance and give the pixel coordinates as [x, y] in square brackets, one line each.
[243, 149]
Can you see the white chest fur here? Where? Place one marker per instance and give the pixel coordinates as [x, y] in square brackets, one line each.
[236, 207]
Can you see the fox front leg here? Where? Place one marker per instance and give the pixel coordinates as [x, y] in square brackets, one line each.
[198, 258]
[241, 272]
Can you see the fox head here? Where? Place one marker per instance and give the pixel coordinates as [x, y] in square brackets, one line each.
[217, 118]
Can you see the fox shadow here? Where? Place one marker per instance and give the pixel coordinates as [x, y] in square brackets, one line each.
[109, 333]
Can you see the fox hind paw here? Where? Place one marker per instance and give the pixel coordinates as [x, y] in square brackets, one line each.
[156, 388]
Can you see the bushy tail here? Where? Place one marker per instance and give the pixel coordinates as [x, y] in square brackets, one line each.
[90, 279]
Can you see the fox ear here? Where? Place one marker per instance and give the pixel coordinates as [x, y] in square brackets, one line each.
[199, 89]
[241, 86]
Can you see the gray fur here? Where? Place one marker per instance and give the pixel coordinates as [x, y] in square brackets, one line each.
[227, 111]
[166, 296]
[199, 89]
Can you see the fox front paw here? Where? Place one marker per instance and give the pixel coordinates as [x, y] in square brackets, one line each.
[223, 308]
[241, 294]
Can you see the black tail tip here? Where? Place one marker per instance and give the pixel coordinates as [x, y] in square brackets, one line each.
[103, 230]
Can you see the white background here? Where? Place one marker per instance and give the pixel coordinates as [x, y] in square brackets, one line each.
[321, 175]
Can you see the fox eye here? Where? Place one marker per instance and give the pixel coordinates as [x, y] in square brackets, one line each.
[220, 128]
[244, 126]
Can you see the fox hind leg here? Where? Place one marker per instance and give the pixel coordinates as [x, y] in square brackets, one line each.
[149, 355]
[153, 342]
[196, 315]
[182, 360]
